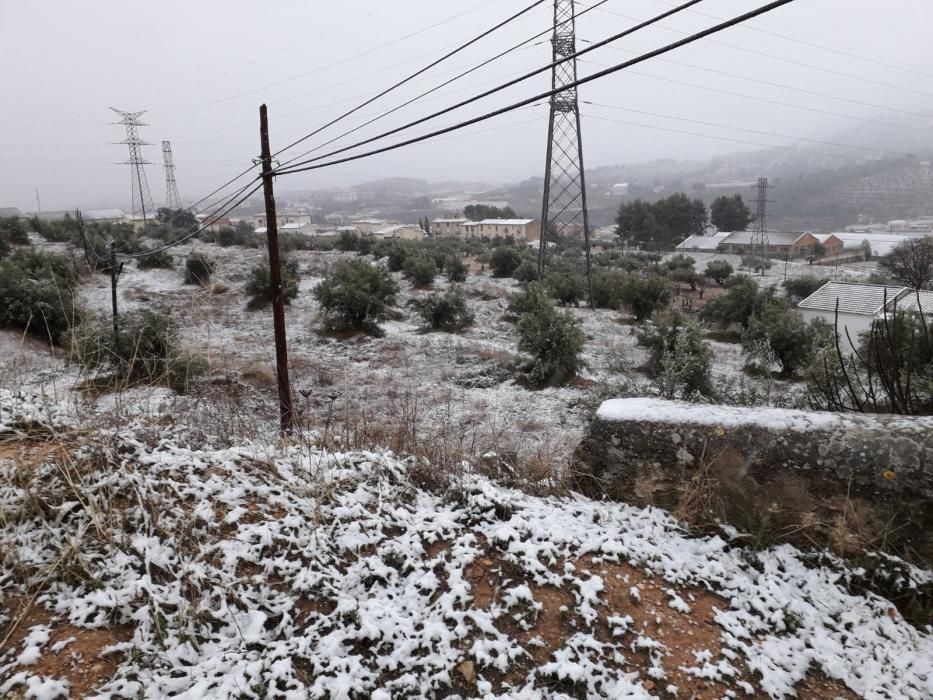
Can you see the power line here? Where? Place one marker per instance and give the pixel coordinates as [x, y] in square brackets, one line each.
[722, 138]
[822, 47]
[537, 71]
[319, 69]
[751, 131]
[788, 87]
[437, 87]
[781, 58]
[209, 221]
[428, 67]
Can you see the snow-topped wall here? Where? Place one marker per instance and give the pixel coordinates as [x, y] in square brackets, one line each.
[852, 482]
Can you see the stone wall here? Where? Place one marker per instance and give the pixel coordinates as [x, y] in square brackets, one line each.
[852, 482]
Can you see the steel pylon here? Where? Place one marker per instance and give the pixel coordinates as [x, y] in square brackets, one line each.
[139, 185]
[172, 198]
[563, 209]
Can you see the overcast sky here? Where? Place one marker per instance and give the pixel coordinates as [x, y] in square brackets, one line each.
[202, 68]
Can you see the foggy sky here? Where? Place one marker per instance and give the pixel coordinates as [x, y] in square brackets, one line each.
[202, 68]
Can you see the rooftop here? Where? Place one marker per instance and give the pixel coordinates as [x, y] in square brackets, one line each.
[862, 299]
[916, 300]
[774, 237]
[506, 222]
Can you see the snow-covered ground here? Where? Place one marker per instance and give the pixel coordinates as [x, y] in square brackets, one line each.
[138, 560]
[407, 387]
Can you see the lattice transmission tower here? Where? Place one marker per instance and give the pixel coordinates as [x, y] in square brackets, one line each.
[760, 238]
[139, 185]
[172, 198]
[563, 210]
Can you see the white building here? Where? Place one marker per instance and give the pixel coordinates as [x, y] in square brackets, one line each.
[859, 305]
[521, 229]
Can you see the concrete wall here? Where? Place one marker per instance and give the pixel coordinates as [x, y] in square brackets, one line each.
[853, 324]
[847, 481]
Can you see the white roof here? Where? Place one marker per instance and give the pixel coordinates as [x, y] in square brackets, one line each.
[261, 229]
[293, 227]
[774, 237]
[449, 221]
[914, 300]
[881, 243]
[703, 242]
[861, 299]
[506, 222]
[389, 230]
[97, 214]
[369, 221]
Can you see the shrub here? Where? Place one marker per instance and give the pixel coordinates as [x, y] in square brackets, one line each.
[456, 269]
[366, 245]
[4, 248]
[533, 297]
[444, 312]
[12, 229]
[145, 349]
[37, 294]
[755, 263]
[785, 333]
[241, 235]
[347, 241]
[687, 276]
[554, 340]
[680, 262]
[567, 289]
[420, 270]
[678, 357]
[356, 296]
[259, 284]
[396, 256]
[799, 288]
[741, 299]
[504, 260]
[526, 272]
[609, 289]
[199, 269]
[718, 270]
[160, 259]
[646, 295]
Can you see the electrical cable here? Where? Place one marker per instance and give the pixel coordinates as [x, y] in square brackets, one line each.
[782, 58]
[444, 84]
[512, 82]
[581, 81]
[414, 75]
[751, 131]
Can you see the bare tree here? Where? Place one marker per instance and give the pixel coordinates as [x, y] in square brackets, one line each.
[911, 263]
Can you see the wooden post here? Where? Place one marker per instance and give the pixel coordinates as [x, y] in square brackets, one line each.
[113, 290]
[286, 411]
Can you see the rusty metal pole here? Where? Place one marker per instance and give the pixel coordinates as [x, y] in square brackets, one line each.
[286, 411]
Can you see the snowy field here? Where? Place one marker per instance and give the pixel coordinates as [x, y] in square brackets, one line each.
[139, 561]
[450, 391]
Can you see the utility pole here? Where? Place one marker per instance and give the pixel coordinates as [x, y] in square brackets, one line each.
[38, 203]
[113, 290]
[286, 412]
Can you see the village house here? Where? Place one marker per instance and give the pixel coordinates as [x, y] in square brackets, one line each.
[405, 232]
[520, 229]
[368, 226]
[858, 305]
[446, 228]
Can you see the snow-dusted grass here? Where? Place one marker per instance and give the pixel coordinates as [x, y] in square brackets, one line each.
[264, 570]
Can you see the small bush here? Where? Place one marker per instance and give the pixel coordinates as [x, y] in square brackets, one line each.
[161, 259]
[145, 349]
[199, 269]
[456, 269]
[680, 262]
[420, 270]
[741, 300]
[347, 241]
[444, 312]
[526, 272]
[533, 297]
[554, 340]
[783, 329]
[756, 264]
[239, 236]
[799, 288]
[679, 358]
[13, 231]
[356, 296]
[646, 295]
[718, 271]
[567, 289]
[259, 284]
[609, 289]
[504, 260]
[396, 256]
[37, 294]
